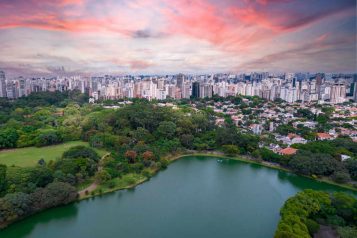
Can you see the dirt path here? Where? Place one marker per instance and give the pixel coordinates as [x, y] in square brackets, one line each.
[94, 185]
[326, 232]
[90, 188]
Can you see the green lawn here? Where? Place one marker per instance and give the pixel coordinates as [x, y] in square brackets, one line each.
[127, 181]
[29, 156]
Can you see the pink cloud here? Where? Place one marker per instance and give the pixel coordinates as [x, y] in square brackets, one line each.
[62, 15]
[72, 2]
[140, 64]
[230, 26]
[198, 19]
[242, 28]
[321, 38]
[134, 64]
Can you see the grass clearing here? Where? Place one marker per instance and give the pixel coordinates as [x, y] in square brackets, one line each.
[126, 181]
[29, 156]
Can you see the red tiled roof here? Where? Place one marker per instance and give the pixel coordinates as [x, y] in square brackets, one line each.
[323, 136]
[292, 136]
[288, 151]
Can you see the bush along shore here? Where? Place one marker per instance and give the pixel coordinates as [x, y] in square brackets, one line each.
[310, 212]
[16, 206]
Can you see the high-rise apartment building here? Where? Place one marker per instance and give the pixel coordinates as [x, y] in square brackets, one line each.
[195, 89]
[338, 93]
[2, 84]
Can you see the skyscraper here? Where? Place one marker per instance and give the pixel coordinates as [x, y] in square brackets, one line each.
[355, 87]
[195, 89]
[206, 91]
[180, 80]
[2, 84]
[338, 93]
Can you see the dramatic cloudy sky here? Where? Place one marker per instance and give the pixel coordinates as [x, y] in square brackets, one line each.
[171, 36]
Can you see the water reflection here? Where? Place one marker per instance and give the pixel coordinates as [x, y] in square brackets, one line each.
[65, 213]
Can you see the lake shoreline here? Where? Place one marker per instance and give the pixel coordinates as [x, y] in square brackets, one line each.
[272, 166]
[173, 157]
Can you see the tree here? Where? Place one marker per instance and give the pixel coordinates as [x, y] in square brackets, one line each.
[226, 136]
[345, 205]
[341, 177]
[48, 137]
[52, 195]
[303, 112]
[347, 232]
[351, 165]
[187, 140]
[2, 178]
[102, 176]
[269, 155]
[322, 118]
[285, 129]
[148, 155]
[141, 134]
[8, 138]
[81, 151]
[130, 155]
[15, 206]
[295, 213]
[312, 226]
[308, 163]
[230, 150]
[328, 110]
[166, 129]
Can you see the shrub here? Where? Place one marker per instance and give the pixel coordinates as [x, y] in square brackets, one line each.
[129, 180]
[164, 163]
[347, 232]
[147, 173]
[48, 137]
[312, 226]
[81, 151]
[111, 184]
[341, 177]
[230, 150]
[335, 220]
[102, 176]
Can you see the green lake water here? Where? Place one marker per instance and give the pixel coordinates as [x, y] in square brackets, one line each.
[194, 197]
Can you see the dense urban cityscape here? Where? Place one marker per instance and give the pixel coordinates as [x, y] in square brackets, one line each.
[290, 87]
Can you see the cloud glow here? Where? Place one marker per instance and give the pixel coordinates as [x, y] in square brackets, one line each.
[171, 36]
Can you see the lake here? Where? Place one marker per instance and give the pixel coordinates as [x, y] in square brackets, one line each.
[193, 197]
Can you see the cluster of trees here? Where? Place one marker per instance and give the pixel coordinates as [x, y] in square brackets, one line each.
[323, 158]
[302, 214]
[143, 128]
[319, 158]
[76, 165]
[301, 130]
[41, 119]
[27, 190]
[138, 135]
[16, 206]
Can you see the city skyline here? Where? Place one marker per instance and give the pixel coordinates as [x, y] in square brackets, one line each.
[290, 87]
[164, 37]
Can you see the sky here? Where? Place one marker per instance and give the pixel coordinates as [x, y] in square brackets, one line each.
[39, 37]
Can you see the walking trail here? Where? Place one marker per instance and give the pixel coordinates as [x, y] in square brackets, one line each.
[94, 185]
